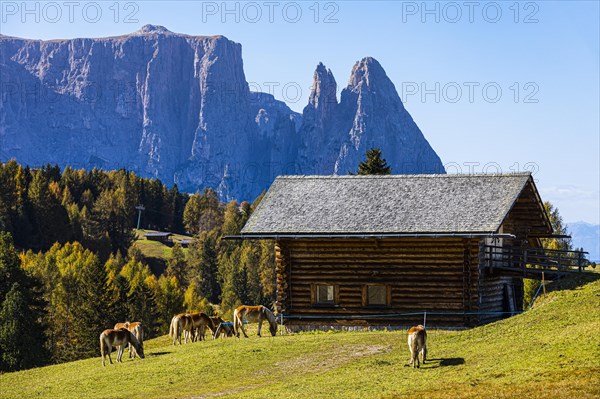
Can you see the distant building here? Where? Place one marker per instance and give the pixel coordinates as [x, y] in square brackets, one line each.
[455, 246]
[163, 237]
[185, 243]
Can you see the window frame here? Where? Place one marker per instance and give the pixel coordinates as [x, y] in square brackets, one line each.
[314, 288]
[365, 295]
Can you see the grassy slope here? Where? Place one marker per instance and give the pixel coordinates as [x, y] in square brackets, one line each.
[551, 351]
[156, 253]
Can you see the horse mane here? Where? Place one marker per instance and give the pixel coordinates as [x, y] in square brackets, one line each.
[133, 339]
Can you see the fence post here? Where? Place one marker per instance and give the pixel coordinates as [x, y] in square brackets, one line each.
[524, 261]
[282, 327]
[543, 284]
[580, 260]
[424, 319]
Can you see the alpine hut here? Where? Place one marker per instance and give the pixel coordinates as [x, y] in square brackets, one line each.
[383, 250]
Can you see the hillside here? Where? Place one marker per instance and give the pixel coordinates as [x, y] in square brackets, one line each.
[548, 352]
[156, 253]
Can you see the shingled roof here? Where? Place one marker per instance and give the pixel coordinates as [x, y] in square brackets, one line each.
[386, 205]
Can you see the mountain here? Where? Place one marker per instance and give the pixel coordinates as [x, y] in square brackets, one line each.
[586, 236]
[178, 107]
[369, 114]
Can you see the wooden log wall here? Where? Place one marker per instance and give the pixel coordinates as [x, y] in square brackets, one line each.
[281, 271]
[500, 294]
[423, 274]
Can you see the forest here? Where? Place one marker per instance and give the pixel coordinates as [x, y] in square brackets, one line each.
[69, 267]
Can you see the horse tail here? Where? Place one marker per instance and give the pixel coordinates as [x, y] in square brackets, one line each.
[415, 349]
[171, 327]
[102, 344]
[102, 347]
[237, 321]
[176, 329]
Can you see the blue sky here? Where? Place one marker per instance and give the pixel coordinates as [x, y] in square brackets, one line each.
[492, 85]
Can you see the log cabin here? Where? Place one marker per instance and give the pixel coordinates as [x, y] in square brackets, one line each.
[382, 250]
[164, 237]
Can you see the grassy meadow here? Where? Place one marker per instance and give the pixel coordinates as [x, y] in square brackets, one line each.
[551, 351]
[156, 253]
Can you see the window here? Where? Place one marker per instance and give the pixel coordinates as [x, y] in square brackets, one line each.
[376, 295]
[324, 294]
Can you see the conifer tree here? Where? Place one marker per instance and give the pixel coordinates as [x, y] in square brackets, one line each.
[169, 301]
[374, 164]
[177, 266]
[22, 330]
[203, 265]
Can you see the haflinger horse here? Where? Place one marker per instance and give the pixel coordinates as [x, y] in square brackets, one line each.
[200, 321]
[181, 324]
[119, 338]
[417, 343]
[137, 330]
[224, 328]
[253, 314]
[201, 332]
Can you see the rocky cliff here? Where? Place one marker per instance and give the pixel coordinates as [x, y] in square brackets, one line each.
[178, 107]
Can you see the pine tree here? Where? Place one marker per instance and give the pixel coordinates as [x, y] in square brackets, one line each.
[169, 301]
[177, 266]
[232, 219]
[22, 334]
[15, 353]
[94, 305]
[203, 265]
[51, 218]
[267, 270]
[374, 164]
[203, 212]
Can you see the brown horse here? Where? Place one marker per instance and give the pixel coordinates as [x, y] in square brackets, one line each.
[119, 338]
[417, 343]
[137, 330]
[200, 321]
[201, 332]
[181, 324]
[224, 328]
[255, 314]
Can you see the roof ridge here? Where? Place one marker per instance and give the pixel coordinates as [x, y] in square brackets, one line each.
[406, 176]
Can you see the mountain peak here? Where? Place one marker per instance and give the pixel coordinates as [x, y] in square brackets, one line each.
[150, 29]
[368, 74]
[323, 92]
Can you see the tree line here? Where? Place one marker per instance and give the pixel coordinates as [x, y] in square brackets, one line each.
[96, 208]
[69, 266]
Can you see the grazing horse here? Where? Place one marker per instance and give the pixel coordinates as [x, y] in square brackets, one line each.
[200, 321]
[137, 330]
[120, 338]
[417, 343]
[201, 332]
[225, 328]
[180, 324]
[253, 314]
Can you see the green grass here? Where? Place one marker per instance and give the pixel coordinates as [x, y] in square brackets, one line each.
[156, 253]
[551, 351]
